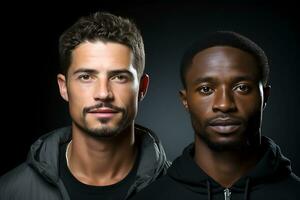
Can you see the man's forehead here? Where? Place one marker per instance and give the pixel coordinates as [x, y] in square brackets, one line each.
[221, 52]
[223, 59]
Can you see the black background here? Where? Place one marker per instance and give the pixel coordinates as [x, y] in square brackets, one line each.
[31, 105]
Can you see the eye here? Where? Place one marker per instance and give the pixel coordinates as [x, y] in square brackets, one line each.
[242, 88]
[205, 90]
[120, 78]
[85, 77]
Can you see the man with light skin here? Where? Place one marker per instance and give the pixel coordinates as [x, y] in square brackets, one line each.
[104, 154]
[225, 90]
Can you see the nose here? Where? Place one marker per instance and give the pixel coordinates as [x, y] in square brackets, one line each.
[103, 91]
[224, 101]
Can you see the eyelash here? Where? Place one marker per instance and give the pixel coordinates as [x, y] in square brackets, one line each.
[245, 90]
[202, 89]
[120, 77]
[83, 76]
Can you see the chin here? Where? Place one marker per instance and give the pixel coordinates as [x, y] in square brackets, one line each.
[224, 143]
[226, 146]
[99, 130]
[103, 132]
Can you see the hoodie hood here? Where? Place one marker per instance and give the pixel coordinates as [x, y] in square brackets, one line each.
[44, 153]
[43, 156]
[153, 162]
[272, 165]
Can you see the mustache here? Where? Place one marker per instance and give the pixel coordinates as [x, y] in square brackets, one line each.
[224, 119]
[101, 105]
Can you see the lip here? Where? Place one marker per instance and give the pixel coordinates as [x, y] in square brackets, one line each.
[103, 112]
[225, 125]
[225, 129]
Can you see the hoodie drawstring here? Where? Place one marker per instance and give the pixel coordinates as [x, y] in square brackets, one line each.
[208, 190]
[246, 194]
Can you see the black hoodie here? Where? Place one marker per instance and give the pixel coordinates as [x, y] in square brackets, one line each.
[38, 178]
[271, 178]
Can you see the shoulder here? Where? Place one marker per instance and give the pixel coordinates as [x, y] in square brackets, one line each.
[290, 183]
[12, 181]
[23, 183]
[285, 188]
[15, 174]
[294, 178]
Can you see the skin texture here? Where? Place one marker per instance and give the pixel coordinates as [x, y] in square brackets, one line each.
[102, 88]
[225, 99]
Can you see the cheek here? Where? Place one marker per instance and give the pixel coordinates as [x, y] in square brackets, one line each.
[128, 96]
[79, 91]
[200, 107]
[250, 105]
[199, 104]
[78, 98]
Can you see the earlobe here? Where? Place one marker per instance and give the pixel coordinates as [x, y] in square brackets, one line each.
[141, 96]
[61, 80]
[144, 83]
[182, 94]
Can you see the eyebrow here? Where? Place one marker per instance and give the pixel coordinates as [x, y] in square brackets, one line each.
[244, 78]
[110, 73]
[83, 70]
[211, 79]
[204, 79]
[116, 72]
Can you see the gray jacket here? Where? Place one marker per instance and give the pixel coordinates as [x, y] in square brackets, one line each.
[38, 177]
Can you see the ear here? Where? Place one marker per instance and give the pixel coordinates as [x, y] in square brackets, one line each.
[144, 83]
[267, 90]
[182, 94]
[62, 84]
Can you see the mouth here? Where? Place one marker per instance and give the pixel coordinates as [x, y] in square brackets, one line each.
[225, 129]
[103, 112]
[225, 125]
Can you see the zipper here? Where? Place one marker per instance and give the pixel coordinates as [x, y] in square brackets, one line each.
[227, 194]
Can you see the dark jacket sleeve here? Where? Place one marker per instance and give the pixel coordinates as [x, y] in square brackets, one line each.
[24, 183]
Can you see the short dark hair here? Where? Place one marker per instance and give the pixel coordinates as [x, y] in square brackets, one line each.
[105, 27]
[226, 38]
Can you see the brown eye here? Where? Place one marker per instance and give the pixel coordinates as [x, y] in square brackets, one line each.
[84, 77]
[120, 78]
[205, 90]
[242, 88]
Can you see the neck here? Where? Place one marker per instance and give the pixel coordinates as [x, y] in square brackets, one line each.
[101, 162]
[224, 167]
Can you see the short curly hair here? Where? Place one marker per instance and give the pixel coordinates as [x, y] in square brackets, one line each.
[226, 38]
[106, 27]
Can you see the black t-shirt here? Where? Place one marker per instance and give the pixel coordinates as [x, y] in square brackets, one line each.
[79, 191]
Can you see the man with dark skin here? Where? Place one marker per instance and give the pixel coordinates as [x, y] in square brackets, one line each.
[225, 79]
[225, 100]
